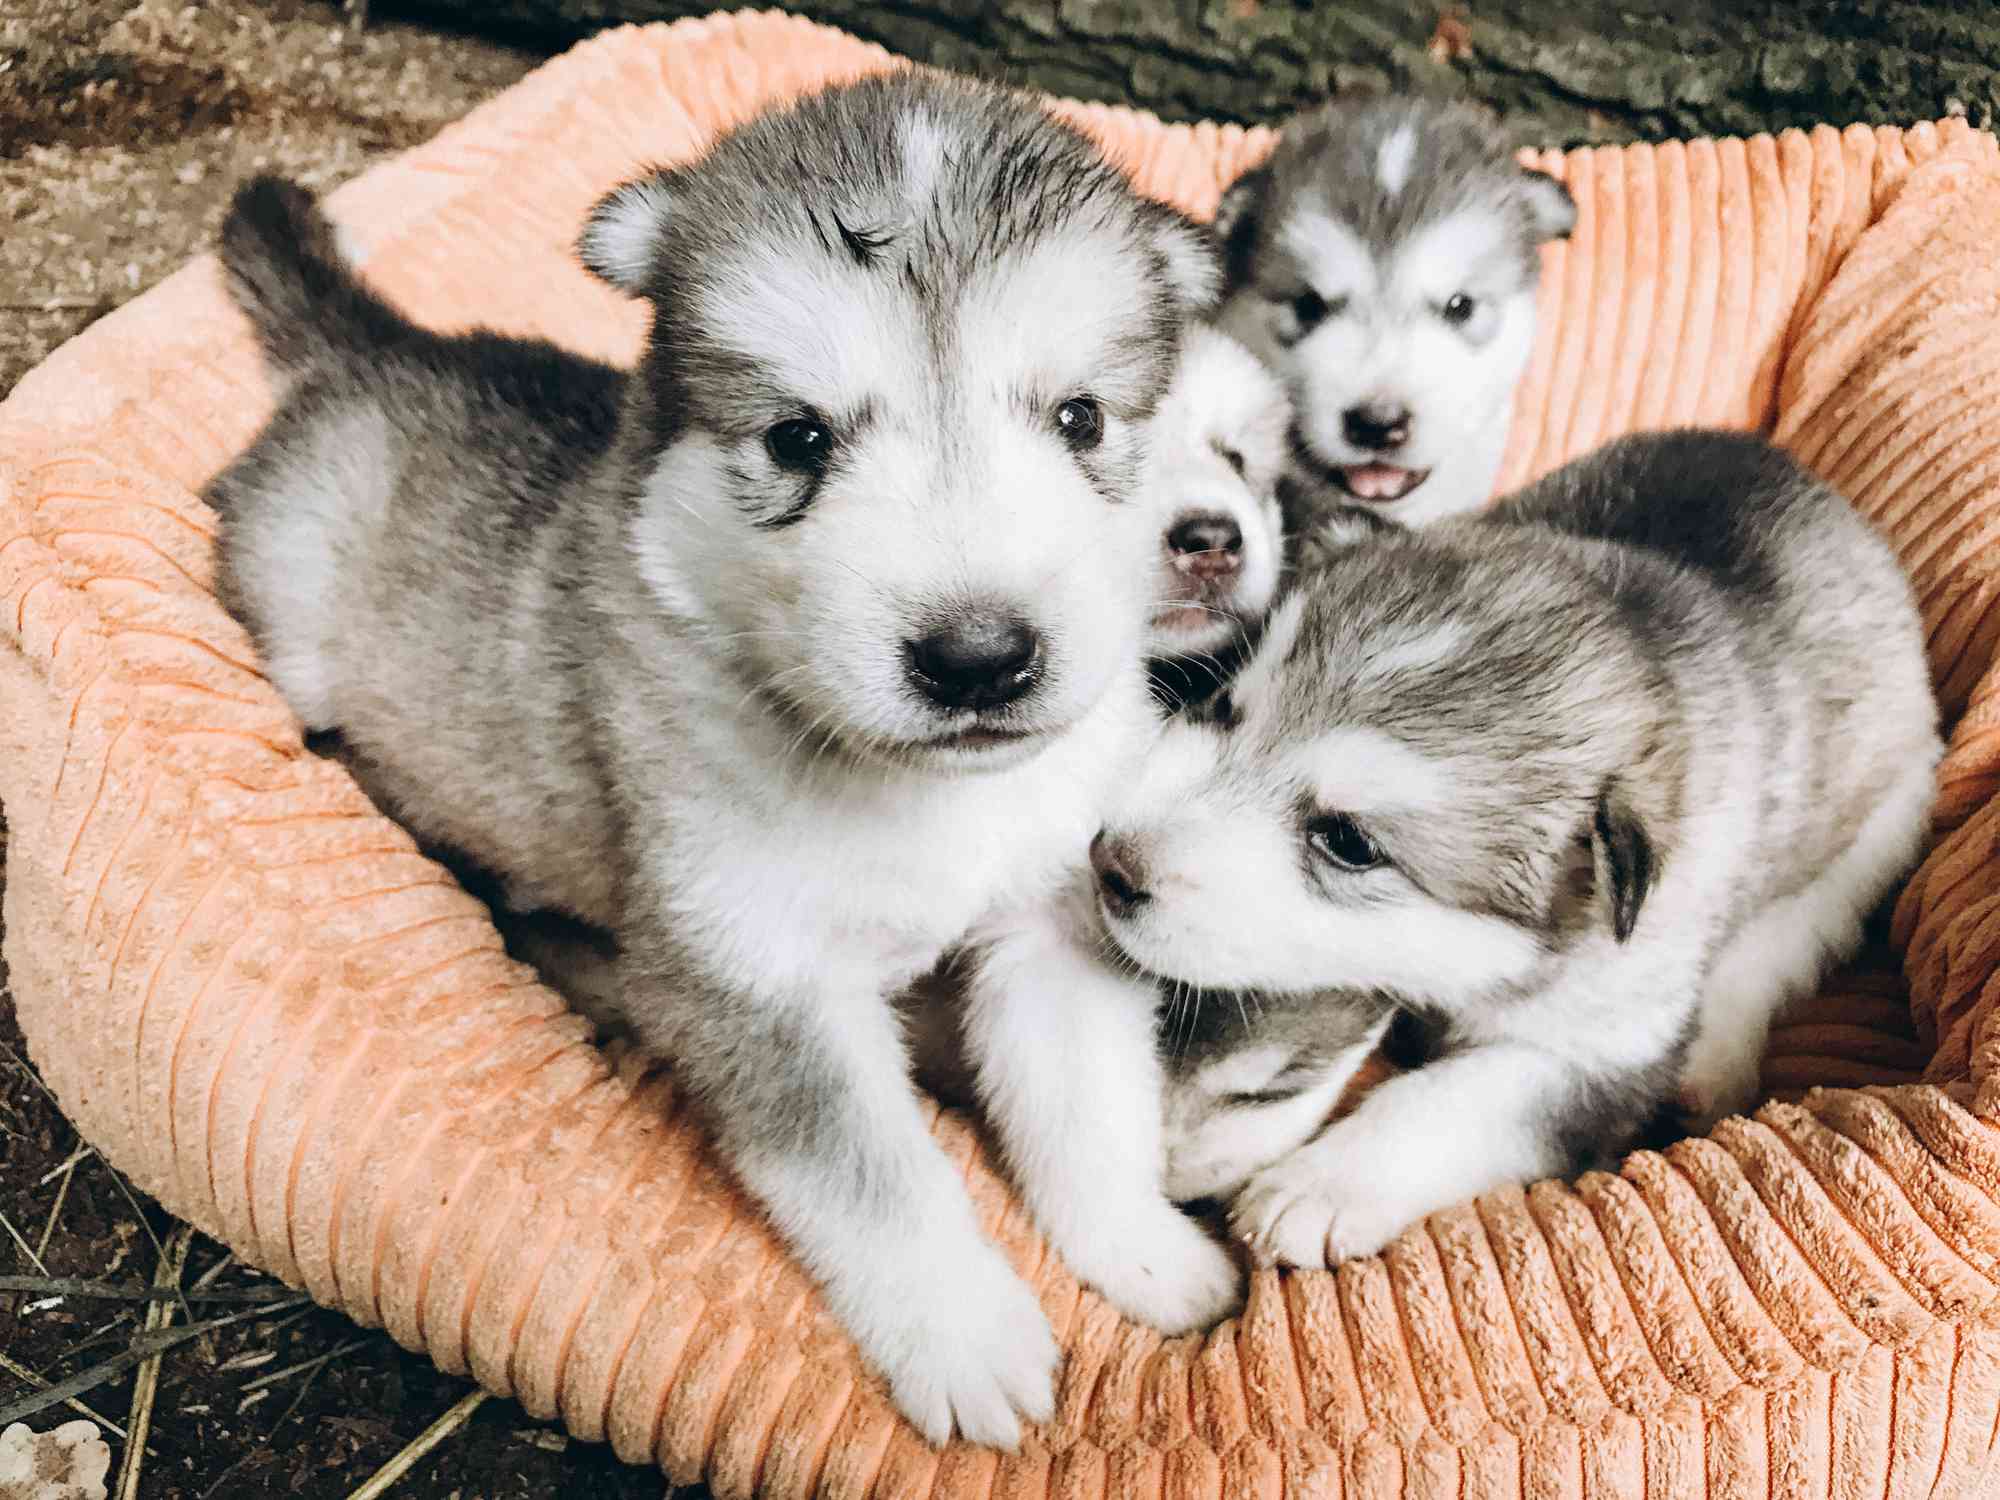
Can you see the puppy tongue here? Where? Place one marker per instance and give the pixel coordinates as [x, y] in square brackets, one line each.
[1376, 481]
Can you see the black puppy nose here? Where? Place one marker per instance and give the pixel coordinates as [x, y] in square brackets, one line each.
[1206, 533]
[1120, 877]
[1376, 428]
[981, 659]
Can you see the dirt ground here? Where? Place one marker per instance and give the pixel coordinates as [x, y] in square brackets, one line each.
[123, 128]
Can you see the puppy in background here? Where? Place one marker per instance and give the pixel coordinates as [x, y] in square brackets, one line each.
[1215, 464]
[1383, 263]
[1596, 783]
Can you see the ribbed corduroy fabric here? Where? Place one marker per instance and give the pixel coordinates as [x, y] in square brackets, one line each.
[256, 998]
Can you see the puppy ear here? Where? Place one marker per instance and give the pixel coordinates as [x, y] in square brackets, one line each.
[1626, 862]
[621, 237]
[1551, 209]
[1193, 270]
[1237, 218]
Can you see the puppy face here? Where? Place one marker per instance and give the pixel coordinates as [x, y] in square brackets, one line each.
[1433, 772]
[1252, 1078]
[907, 338]
[1385, 261]
[1215, 460]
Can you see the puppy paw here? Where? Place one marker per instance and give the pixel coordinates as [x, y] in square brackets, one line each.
[1707, 1098]
[1173, 1276]
[1723, 1072]
[969, 1349]
[1304, 1211]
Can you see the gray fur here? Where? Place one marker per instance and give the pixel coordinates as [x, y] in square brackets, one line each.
[1248, 1076]
[1641, 748]
[1328, 156]
[602, 637]
[1384, 262]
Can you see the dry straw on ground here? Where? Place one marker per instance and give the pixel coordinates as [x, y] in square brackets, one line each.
[123, 128]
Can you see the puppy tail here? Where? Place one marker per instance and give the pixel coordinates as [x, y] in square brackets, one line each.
[288, 273]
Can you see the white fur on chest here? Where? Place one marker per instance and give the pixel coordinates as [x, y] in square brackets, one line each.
[871, 877]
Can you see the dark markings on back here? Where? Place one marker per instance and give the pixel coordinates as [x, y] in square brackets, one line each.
[1716, 502]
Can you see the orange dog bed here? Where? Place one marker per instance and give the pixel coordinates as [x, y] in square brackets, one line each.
[255, 997]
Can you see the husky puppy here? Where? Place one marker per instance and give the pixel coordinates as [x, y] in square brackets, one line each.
[1598, 781]
[1251, 1077]
[1216, 462]
[1384, 263]
[789, 659]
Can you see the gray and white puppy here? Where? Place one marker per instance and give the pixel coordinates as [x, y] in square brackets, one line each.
[789, 659]
[1250, 1077]
[1598, 780]
[1214, 468]
[1384, 263]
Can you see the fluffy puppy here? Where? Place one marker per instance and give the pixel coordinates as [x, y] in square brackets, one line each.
[1215, 465]
[790, 658]
[1384, 264]
[1251, 1077]
[1597, 781]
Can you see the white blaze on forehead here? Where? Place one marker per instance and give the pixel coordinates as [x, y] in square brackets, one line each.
[1330, 254]
[1364, 770]
[1414, 653]
[1443, 257]
[1043, 317]
[1223, 392]
[1254, 685]
[831, 332]
[1392, 162]
[925, 149]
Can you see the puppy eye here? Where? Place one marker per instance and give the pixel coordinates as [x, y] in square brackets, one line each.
[1458, 309]
[1258, 1097]
[1309, 309]
[1080, 420]
[1220, 710]
[1234, 459]
[802, 444]
[1338, 839]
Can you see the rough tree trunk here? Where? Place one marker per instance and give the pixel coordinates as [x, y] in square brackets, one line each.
[1572, 69]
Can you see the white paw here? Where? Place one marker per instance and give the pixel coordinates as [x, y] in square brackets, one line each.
[1165, 1272]
[969, 1349]
[1307, 1211]
[1714, 1088]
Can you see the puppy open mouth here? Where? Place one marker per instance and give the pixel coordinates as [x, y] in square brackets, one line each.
[1378, 483]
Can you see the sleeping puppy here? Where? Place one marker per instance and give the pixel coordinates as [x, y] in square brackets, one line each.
[1252, 1076]
[1384, 263]
[1597, 781]
[790, 658]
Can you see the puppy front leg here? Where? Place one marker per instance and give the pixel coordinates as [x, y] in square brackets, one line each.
[1068, 1070]
[1423, 1141]
[810, 1105]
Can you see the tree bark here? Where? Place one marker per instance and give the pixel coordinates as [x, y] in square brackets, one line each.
[1568, 70]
